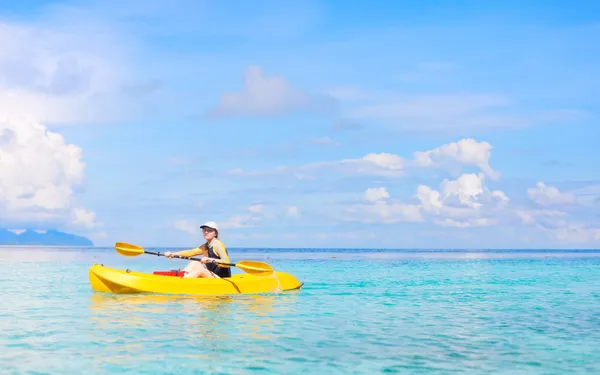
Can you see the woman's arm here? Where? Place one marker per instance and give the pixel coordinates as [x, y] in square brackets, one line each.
[200, 250]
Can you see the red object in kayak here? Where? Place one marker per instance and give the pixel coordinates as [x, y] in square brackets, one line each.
[176, 273]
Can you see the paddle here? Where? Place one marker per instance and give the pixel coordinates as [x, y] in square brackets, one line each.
[250, 266]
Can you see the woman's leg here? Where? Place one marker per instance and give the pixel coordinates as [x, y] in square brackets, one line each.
[189, 267]
[197, 269]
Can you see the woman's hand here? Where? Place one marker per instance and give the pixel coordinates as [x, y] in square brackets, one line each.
[207, 260]
[169, 254]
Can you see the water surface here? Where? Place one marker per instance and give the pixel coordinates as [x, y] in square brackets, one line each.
[360, 312]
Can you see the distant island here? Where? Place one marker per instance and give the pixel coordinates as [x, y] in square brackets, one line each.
[41, 238]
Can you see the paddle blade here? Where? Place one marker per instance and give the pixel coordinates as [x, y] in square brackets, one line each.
[252, 266]
[128, 250]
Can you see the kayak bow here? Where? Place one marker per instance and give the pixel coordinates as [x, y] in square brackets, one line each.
[106, 279]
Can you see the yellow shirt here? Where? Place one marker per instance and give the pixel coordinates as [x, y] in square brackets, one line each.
[215, 245]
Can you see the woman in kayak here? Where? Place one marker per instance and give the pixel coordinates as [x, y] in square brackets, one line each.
[213, 252]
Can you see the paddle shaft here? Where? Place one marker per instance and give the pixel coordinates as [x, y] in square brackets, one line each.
[180, 257]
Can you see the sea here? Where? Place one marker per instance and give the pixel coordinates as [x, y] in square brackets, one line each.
[359, 312]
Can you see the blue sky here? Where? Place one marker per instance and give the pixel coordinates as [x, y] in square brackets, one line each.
[303, 124]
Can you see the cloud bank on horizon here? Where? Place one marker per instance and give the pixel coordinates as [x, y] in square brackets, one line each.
[294, 126]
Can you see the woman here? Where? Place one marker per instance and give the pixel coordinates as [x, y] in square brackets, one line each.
[213, 251]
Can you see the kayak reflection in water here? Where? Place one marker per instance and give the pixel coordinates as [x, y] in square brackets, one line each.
[212, 252]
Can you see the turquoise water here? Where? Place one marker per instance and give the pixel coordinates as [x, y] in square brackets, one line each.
[358, 313]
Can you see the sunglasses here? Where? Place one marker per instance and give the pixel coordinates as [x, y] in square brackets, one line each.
[207, 230]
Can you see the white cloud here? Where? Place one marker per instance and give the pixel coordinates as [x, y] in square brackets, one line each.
[467, 222]
[268, 96]
[56, 72]
[549, 196]
[379, 164]
[375, 194]
[378, 208]
[471, 191]
[467, 189]
[60, 75]
[382, 164]
[430, 199]
[577, 233]
[558, 223]
[452, 156]
[38, 175]
[542, 218]
[463, 202]
[460, 203]
[466, 152]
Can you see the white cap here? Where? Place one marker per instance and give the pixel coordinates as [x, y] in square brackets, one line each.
[210, 224]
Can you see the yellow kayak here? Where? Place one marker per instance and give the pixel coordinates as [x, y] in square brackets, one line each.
[105, 279]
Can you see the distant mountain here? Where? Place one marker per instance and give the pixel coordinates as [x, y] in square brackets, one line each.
[43, 238]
